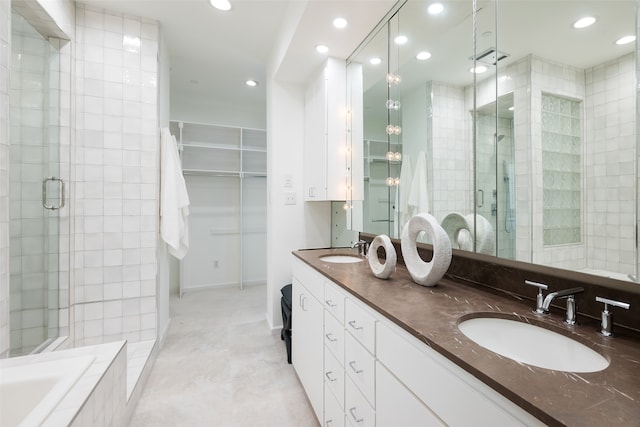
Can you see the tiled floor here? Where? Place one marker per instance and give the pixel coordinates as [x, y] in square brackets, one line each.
[221, 366]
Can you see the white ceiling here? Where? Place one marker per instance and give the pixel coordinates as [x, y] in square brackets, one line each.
[213, 53]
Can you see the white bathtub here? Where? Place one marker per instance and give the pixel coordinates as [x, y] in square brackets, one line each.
[28, 393]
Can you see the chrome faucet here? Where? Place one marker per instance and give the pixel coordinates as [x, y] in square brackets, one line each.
[543, 303]
[606, 315]
[362, 246]
[569, 294]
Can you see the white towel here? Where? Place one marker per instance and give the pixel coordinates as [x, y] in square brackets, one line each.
[174, 200]
[402, 194]
[418, 195]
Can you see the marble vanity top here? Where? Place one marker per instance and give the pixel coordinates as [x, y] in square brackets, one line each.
[608, 397]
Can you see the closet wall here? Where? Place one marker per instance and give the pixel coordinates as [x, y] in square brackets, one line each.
[225, 170]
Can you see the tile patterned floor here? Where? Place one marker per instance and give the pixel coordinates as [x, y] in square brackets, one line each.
[222, 366]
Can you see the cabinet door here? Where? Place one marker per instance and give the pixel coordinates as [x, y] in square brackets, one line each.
[398, 407]
[307, 343]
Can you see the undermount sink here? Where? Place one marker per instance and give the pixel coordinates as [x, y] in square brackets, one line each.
[532, 345]
[341, 259]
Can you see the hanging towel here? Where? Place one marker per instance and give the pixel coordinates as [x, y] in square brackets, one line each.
[406, 178]
[418, 194]
[174, 200]
[403, 212]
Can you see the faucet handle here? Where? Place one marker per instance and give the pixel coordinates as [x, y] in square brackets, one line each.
[540, 296]
[606, 315]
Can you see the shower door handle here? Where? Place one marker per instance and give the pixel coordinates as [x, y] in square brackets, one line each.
[480, 198]
[44, 193]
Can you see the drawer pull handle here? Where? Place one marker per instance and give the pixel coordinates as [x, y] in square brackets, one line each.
[352, 323]
[330, 303]
[352, 411]
[352, 364]
[328, 375]
[330, 337]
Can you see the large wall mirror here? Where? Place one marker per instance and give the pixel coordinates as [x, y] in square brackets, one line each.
[514, 128]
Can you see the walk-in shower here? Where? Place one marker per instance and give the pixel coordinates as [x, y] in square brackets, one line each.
[39, 160]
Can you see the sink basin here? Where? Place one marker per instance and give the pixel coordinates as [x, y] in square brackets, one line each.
[532, 345]
[341, 259]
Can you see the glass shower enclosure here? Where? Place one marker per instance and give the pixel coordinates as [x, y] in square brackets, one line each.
[39, 231]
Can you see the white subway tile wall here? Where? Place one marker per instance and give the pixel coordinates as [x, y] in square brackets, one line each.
[116, 177]
[5, 52]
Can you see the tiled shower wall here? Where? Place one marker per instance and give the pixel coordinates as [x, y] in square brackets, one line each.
[610, 119]
[5, 53]
[116, 177]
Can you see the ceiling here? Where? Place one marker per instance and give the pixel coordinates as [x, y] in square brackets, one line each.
[213, 53]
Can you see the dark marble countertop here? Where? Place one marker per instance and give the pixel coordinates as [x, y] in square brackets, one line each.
[609, 397]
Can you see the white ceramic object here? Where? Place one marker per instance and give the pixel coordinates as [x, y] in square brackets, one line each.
[380, 270]
[532, 345]
[462, 232]
[425, 273]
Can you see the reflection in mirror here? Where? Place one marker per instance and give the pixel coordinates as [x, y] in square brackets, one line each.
[533, 159]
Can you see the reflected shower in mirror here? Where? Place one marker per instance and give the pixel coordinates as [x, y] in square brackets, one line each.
[527, 126]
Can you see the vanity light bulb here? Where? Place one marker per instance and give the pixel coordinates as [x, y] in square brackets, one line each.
[392, 105]
[396, 181]
[397, 156]
[391, 181]
[390, 129]
[346, 206]
[393, 78]
[397, 130]
[390, 156]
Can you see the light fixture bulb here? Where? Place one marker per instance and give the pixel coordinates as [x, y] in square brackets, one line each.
[584, 22]
[479, 69]
[423, 56]
[393, 78]
[390, 155]
[339, 22]
[393, 130]
[435, 8]
[625, 40]
[391, 182]
[375, 61]
[222, 5]
[322, 48]
[401, 39]
[251, 83]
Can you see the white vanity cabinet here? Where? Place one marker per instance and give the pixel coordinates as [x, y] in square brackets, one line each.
[325, 134]
[306, 343]
[361, 369]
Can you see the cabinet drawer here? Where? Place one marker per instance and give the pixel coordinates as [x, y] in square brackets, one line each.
[310, 279]
[334, 376]
[360, 367]
[334, 301]
[357, 409]
[334, 336]
[396, 406]
[361, 324]
[333, 412]
[425, 372]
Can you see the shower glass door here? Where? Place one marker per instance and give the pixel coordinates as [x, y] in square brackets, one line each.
[36, 190]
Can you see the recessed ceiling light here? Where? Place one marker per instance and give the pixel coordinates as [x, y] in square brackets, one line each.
[339, 22]
[401, 39]
[626, 39]
[424, 55]
[375, 61]
[322, 48]
[223, 5]
[510, 108]
[251, 83]
[435, 8]
[584, 22]
[479, 69]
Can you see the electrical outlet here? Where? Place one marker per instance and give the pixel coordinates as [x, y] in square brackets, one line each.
[289, 198]
[288, 181]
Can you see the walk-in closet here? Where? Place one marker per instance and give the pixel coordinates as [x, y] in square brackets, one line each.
[225, 170]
